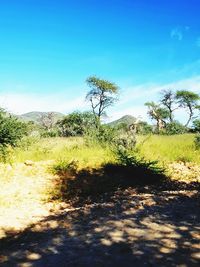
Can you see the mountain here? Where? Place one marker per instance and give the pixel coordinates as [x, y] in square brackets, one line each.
[36, 115]
[127, 120]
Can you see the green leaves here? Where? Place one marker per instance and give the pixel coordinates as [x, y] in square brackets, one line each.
[11, 130]
[102, 95]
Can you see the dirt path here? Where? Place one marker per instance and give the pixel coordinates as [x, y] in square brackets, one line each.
[154, 229]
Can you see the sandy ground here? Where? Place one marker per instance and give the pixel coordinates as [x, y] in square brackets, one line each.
[160, 228]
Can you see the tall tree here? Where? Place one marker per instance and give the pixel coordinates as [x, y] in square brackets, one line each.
[102, 95]
[157, 113]
[189, 101]
[169, 101]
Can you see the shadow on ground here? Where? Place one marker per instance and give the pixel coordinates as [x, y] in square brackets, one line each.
[145, 221]
[98, 185]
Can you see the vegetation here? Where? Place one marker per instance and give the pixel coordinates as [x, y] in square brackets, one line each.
[157, 113]
[197, 141]
[79, 159]
[189, 101]
[76, 124]
[101, 96]
[163, 112]
[196, 125]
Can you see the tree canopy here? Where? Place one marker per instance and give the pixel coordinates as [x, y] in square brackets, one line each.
[102, 95]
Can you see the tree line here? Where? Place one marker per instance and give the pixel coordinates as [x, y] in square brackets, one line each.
[163, 112]
[101, 95]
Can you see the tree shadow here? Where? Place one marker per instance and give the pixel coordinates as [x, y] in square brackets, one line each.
[130, 230]
[122, 216]
[98, 185]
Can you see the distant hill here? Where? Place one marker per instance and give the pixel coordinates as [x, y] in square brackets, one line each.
[36, 115]
[127, 119]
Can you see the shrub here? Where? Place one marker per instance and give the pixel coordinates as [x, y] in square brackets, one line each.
[76, 124]
[175, 128]
[103, 134]
[144, 128]
[197, 141]
[11, 130]
[196, 125]
[51, 133]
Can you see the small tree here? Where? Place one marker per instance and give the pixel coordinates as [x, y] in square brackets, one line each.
[189, 101]
[101, 96]
[158, 113]
[169, 101]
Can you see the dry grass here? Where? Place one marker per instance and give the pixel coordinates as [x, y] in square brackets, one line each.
[23, 189]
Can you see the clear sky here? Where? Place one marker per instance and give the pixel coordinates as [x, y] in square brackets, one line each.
[48, 48]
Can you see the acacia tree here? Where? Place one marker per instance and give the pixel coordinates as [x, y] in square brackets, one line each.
[102, 95]
[157, 113]
[189, 101]
[169, 101]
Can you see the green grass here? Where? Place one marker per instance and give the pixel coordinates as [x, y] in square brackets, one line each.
[162, 148]
[169, 148]
[62, 149]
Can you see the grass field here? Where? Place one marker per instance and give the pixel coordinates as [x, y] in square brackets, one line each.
[169, 148]
[162, 148]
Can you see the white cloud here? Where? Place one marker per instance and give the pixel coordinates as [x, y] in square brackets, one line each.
[132, 102]
[19, 103]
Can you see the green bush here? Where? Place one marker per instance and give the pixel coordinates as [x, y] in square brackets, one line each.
[11, 130]
[144, 128]
[196, 126]
[76, 124]
[197, 141]
[103, 134]
[175, 128]
[51, 133]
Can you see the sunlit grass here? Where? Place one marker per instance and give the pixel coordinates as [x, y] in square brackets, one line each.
[169, 148]
[23, 188]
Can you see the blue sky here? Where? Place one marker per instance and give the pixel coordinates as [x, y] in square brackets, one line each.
[49, 48]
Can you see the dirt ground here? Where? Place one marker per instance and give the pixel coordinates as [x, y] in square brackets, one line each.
[158, 228]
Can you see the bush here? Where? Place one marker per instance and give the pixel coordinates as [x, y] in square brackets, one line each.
[175, 128]
[103, 134]
[144, 128]
[11, 130]
[197, 141]
[196, 126]
[76, 124]
[51, 133]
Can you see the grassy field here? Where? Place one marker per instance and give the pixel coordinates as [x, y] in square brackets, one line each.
[162, 148]
[176, 148]
[61, 149]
